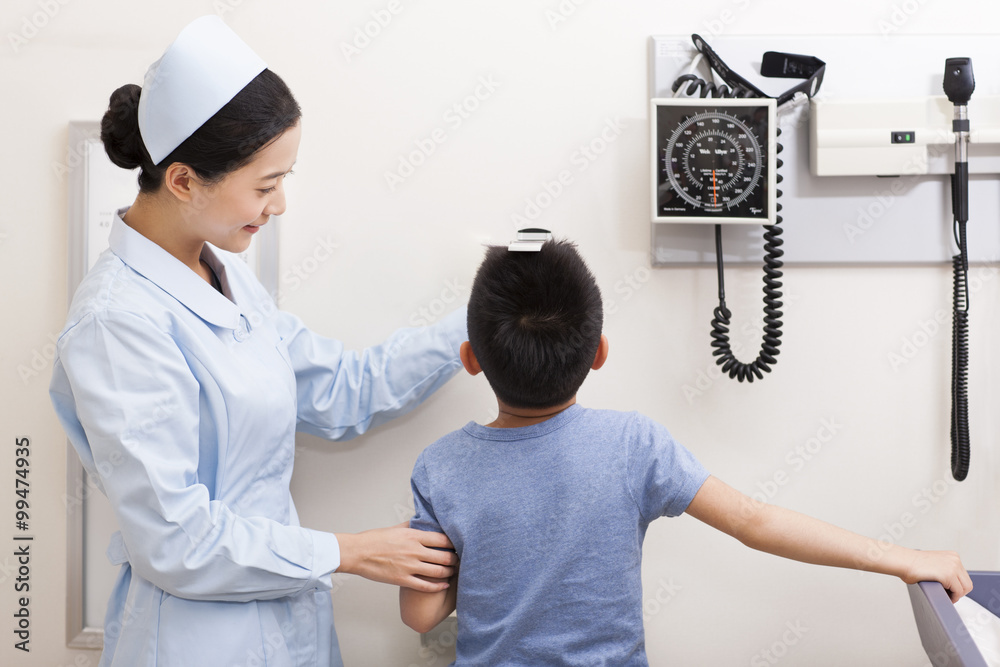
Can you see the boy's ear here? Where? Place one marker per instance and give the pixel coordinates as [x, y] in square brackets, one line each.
[469, 359]
[602, 353]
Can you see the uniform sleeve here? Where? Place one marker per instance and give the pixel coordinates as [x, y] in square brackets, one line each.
[424, 519]
[127, 397]
[342, 394]
[663, 476]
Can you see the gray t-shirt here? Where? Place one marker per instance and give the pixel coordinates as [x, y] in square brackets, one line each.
[548, 521]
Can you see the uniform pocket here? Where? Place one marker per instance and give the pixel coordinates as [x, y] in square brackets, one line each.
[195, 633]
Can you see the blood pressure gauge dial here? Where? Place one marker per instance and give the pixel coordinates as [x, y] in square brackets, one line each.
[712, 160]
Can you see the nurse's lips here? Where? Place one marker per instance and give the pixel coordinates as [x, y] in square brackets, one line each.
[253, 228]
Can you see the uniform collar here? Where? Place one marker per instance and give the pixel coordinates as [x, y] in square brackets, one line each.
[172, 276]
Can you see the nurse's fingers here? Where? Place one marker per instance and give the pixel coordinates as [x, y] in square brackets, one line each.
[439, 556]
[394, 555]
[439, 548]
[426, 585]
[432, 540]
[432, 571]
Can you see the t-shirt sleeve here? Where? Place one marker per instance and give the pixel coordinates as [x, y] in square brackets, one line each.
[663, 476]
[424, 519]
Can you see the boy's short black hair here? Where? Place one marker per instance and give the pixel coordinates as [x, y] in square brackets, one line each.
[535, 322]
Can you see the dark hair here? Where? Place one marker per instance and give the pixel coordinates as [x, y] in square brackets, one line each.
[534, 322]
[225, 142]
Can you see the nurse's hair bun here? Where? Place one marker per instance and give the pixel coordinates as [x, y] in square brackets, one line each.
[120, 129]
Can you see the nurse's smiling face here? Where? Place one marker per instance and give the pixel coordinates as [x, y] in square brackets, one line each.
[228, 213]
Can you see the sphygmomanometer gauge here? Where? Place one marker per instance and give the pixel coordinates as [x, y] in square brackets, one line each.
[712, 160]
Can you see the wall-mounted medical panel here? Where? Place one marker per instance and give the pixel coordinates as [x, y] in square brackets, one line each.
[878, 86]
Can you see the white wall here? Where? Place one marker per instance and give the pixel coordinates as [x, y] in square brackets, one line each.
[709, 600]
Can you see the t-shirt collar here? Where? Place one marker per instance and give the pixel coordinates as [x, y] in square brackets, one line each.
[524, 432]
[172, 276]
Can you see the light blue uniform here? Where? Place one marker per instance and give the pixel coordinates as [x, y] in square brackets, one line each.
[183, 406]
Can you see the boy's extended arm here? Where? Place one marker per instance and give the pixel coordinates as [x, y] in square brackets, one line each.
[423, 611]
[793, 535]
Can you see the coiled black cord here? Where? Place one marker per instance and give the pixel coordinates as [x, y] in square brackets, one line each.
[960, 359]
[704, 88]
[772, 266]
[772, 304]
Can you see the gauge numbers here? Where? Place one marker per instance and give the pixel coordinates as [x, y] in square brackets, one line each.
[711, 160]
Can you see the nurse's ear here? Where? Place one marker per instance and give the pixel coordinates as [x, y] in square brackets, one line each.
[469, 360]
[180, 181]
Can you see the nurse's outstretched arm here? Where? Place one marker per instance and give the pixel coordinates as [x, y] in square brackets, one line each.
[790, 534]
[399, 555]
[342, 393]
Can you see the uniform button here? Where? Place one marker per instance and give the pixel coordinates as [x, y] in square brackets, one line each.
[240, 335]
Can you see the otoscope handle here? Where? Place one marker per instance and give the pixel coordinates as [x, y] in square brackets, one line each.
[960, 192]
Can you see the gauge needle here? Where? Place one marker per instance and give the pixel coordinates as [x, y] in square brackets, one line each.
[715, 191]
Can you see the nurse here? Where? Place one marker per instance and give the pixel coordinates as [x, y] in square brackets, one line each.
[181, 385]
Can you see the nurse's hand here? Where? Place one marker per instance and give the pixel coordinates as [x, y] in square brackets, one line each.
[399, 555]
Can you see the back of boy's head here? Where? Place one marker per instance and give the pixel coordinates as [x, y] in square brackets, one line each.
[535, 322]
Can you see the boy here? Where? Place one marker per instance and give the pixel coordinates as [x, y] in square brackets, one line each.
[547, 506]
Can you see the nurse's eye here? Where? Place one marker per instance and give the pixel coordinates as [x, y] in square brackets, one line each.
[267, 191]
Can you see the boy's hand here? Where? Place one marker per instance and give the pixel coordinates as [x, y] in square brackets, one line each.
[941, 566]
[399, 555]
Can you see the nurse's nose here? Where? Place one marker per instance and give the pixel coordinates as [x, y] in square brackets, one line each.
[276, 202]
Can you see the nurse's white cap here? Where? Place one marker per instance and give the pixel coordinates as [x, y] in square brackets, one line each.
[205, 67]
